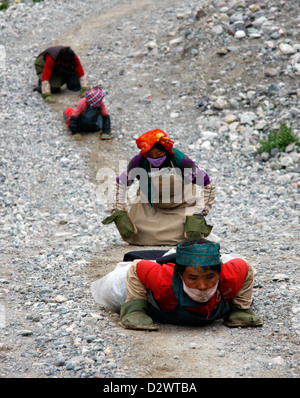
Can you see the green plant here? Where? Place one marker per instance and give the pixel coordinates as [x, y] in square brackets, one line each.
[279, 140]
[4, 5]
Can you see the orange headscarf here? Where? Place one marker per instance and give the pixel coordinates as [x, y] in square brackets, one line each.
[146, 141]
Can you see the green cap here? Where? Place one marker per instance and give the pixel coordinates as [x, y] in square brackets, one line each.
[198, 255]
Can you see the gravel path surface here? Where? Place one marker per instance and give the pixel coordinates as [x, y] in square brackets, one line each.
[216, 76]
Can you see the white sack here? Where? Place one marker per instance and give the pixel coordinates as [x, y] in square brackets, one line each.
[110, 291]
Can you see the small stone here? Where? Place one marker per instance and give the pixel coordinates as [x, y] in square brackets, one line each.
[274, 152]
[271, 72]
[60, 299]
[220, 104]
[275, 165]
[265, 156]
[25, 332]
[217, 30]
[151, 45]
[248, 118]
[108, 351]
[286, 161]
[240, 34]
[206, 145]
[281, 277]
[59, 360]
[230, 118]
[286, 48]
[290, 147]
[74, 362]
[209, 135]
[90, 339]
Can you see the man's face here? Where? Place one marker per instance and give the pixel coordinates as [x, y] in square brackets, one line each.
[199, 278]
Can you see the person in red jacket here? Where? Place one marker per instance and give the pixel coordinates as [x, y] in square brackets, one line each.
[56, 66]
[195, 290]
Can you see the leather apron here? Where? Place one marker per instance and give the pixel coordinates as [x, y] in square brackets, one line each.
[161, 223]
[169, 190]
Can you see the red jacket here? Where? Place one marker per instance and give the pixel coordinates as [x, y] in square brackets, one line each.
[50, 65]
[158, 279]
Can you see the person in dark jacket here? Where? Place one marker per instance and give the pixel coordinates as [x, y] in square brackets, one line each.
[56, 66]
[90, 115]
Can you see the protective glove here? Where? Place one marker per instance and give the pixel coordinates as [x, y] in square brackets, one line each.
[74, 124]
[133, 315]
[123, 222]
[48, 97]
[83, 90]
[195, 227]
[241, 318]
[77, 136]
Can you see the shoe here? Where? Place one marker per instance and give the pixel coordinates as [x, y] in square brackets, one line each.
[38, 89]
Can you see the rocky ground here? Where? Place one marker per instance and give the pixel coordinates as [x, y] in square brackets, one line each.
[217, 77]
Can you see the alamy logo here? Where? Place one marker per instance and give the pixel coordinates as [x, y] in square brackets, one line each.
[168, 185]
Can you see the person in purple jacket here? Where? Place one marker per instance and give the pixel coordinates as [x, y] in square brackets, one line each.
[173, 198]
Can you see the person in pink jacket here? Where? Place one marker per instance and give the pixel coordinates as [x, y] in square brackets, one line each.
[90, 115]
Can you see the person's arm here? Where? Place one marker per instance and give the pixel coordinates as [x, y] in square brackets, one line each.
[134, 312]
[232, 276]
[80, 108]
[81, 75]
[192, 173]
[103, 109]
[78, 67]
[48, 68]
[46, 75]
[239, 294]
[243, 298]
[121, 185]
[206, 200]
[134, 287]
[77, 112]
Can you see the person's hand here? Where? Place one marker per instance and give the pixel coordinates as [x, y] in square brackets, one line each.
[134, 315]
[195, 226]
[83, 90]
[123, 222]
[48, 97]
[77, 136]
[237, 317]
